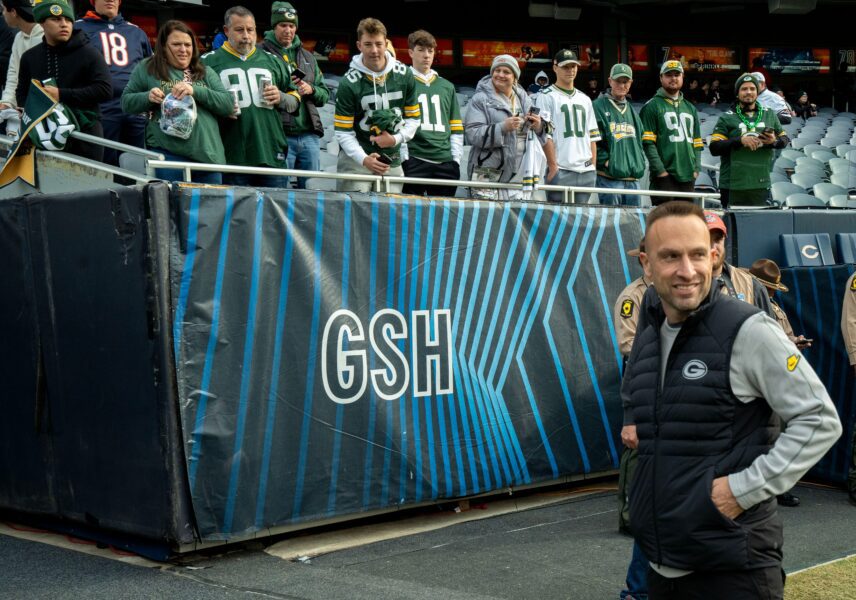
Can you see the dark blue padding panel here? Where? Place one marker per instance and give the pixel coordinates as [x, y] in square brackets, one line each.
[806, 250]
[846, 244]
[813, 306]
[827, 221]
[755, 234]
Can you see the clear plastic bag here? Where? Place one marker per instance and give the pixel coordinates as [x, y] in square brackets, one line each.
[178, 116]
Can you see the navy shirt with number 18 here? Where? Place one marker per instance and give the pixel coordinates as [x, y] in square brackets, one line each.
[122, 44]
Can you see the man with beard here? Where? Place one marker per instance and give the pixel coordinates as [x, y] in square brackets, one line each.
[745, 138]
[620, 158]
[705, 379]
[734, 281]
[672, 136]
[255, 138]
[303, 129]
[123, 45]
[74, 70]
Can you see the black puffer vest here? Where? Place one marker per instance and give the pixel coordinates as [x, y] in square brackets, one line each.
[691, 431]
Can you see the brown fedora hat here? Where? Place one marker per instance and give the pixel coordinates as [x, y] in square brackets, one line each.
[639, 250]
[767, 272]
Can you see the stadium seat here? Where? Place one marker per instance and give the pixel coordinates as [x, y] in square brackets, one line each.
[846, 244]
[851, 156]
[792, 154]
[805, 180]
[841, 201]
[824, 191]
[776, 177]
[808, 160]
[132, 162]
[822, 156]
[841, 165]
[811, 170]
[809, 148]
[800, 143]
[831, 141]
[704, 183]
[784, 165]
[782, 189]
[804, 200]
[842, 149]
[806, 249]
[845, 180]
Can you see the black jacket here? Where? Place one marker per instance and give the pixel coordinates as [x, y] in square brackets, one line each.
[81, 74]
[691, 430]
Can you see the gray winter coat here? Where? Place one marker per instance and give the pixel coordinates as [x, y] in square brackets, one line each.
[491, 146]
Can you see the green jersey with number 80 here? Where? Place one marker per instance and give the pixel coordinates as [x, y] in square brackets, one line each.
[672, 136]
[256, 137]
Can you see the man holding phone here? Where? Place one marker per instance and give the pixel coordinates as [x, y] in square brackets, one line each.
[745, 138]
[303, 129]
[376, 110]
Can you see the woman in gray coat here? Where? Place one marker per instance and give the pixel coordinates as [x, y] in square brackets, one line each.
[497, 125]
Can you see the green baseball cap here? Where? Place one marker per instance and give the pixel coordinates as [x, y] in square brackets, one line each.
[672, 65]
[620, 70]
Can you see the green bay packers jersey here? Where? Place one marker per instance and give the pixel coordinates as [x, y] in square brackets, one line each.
[741, 168]
[256, 137]
[441, 119]
[672, 136]
[574, 126]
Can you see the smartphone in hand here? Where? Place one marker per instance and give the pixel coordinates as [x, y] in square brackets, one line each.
[298, 74]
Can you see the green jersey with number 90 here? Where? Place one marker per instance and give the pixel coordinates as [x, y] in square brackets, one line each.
[256, 137]
[672, 136]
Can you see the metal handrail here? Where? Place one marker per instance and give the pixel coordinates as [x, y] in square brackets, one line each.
[5, 140]
[92, 139]
[382, 183]
[85, 162]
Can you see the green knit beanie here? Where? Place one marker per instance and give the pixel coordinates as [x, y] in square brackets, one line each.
[42, 9]
[282, 12]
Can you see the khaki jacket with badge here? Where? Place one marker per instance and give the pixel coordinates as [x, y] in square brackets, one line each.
[626, 313]
[848, 319]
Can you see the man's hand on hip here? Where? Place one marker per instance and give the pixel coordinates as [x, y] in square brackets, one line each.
[723, 499]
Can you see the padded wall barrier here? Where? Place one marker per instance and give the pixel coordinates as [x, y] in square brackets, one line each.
[89, 431]
[339, 354]
[813, 305]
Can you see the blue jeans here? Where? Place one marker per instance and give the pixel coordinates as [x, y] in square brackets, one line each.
[637, 576]
[303, 151]
[618, 199]
[572, 178]
[248, 180]
[212, 177]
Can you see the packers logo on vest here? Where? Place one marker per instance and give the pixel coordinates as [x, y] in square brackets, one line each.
[694, 369]
[793, 361]
[627, 309]
[853, 285]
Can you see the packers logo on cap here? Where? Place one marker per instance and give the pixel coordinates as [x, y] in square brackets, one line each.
[56, 10]
[627, 309]
[793, 361]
